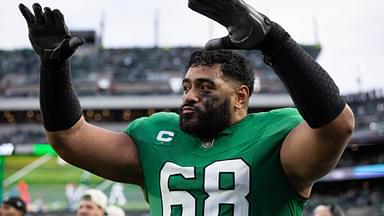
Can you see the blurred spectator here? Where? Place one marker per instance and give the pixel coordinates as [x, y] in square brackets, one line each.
[114, 211]
[13, 206]
[22, 186]
[328, 210]
[92, 203]
[116, 195]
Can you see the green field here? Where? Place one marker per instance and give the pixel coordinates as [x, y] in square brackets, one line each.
[47, 182]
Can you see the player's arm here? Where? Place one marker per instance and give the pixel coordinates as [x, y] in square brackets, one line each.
[307, 153]
[314, 147]
[108, 154]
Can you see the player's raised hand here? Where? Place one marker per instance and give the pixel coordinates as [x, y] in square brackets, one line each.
[48, 33]
[247, 27]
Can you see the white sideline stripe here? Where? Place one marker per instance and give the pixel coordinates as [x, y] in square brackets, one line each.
[27, 169]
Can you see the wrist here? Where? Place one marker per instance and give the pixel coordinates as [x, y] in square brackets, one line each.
[53, 63]
[273, 42]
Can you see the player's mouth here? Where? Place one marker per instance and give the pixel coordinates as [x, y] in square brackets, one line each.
[188, 109]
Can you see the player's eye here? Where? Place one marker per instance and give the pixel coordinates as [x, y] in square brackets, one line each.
[205, 87]
[186, 88]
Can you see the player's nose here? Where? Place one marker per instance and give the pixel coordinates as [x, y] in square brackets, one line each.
[191, 96]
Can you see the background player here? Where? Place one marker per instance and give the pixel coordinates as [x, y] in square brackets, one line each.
[92, 203]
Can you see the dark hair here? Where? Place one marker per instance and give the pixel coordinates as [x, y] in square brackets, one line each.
[233, 64]
[17, 203]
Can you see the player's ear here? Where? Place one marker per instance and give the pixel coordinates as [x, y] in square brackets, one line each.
[241, 96]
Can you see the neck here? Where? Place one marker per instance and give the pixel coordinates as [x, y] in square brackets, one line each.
[238, 115]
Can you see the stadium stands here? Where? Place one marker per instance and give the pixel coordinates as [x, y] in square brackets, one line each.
[121, 71]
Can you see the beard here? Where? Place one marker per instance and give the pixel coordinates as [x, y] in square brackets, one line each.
[207, 122]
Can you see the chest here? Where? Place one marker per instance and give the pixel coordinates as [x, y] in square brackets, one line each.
[221, 178]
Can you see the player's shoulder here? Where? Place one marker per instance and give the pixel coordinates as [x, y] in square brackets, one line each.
[277, 120]
[161, 117]
[277, 115]
[284, 112]
[156, 119]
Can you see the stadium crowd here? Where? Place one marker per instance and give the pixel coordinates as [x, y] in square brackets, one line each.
[108, 70]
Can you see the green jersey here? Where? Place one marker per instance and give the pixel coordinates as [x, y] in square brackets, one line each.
[239, 173]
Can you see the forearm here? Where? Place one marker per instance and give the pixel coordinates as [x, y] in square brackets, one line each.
[313, 91]
[59, 103]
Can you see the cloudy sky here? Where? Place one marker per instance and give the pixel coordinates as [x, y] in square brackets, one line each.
[351, 32]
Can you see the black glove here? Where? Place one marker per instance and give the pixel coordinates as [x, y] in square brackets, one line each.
[247, 27]
[48, 33]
